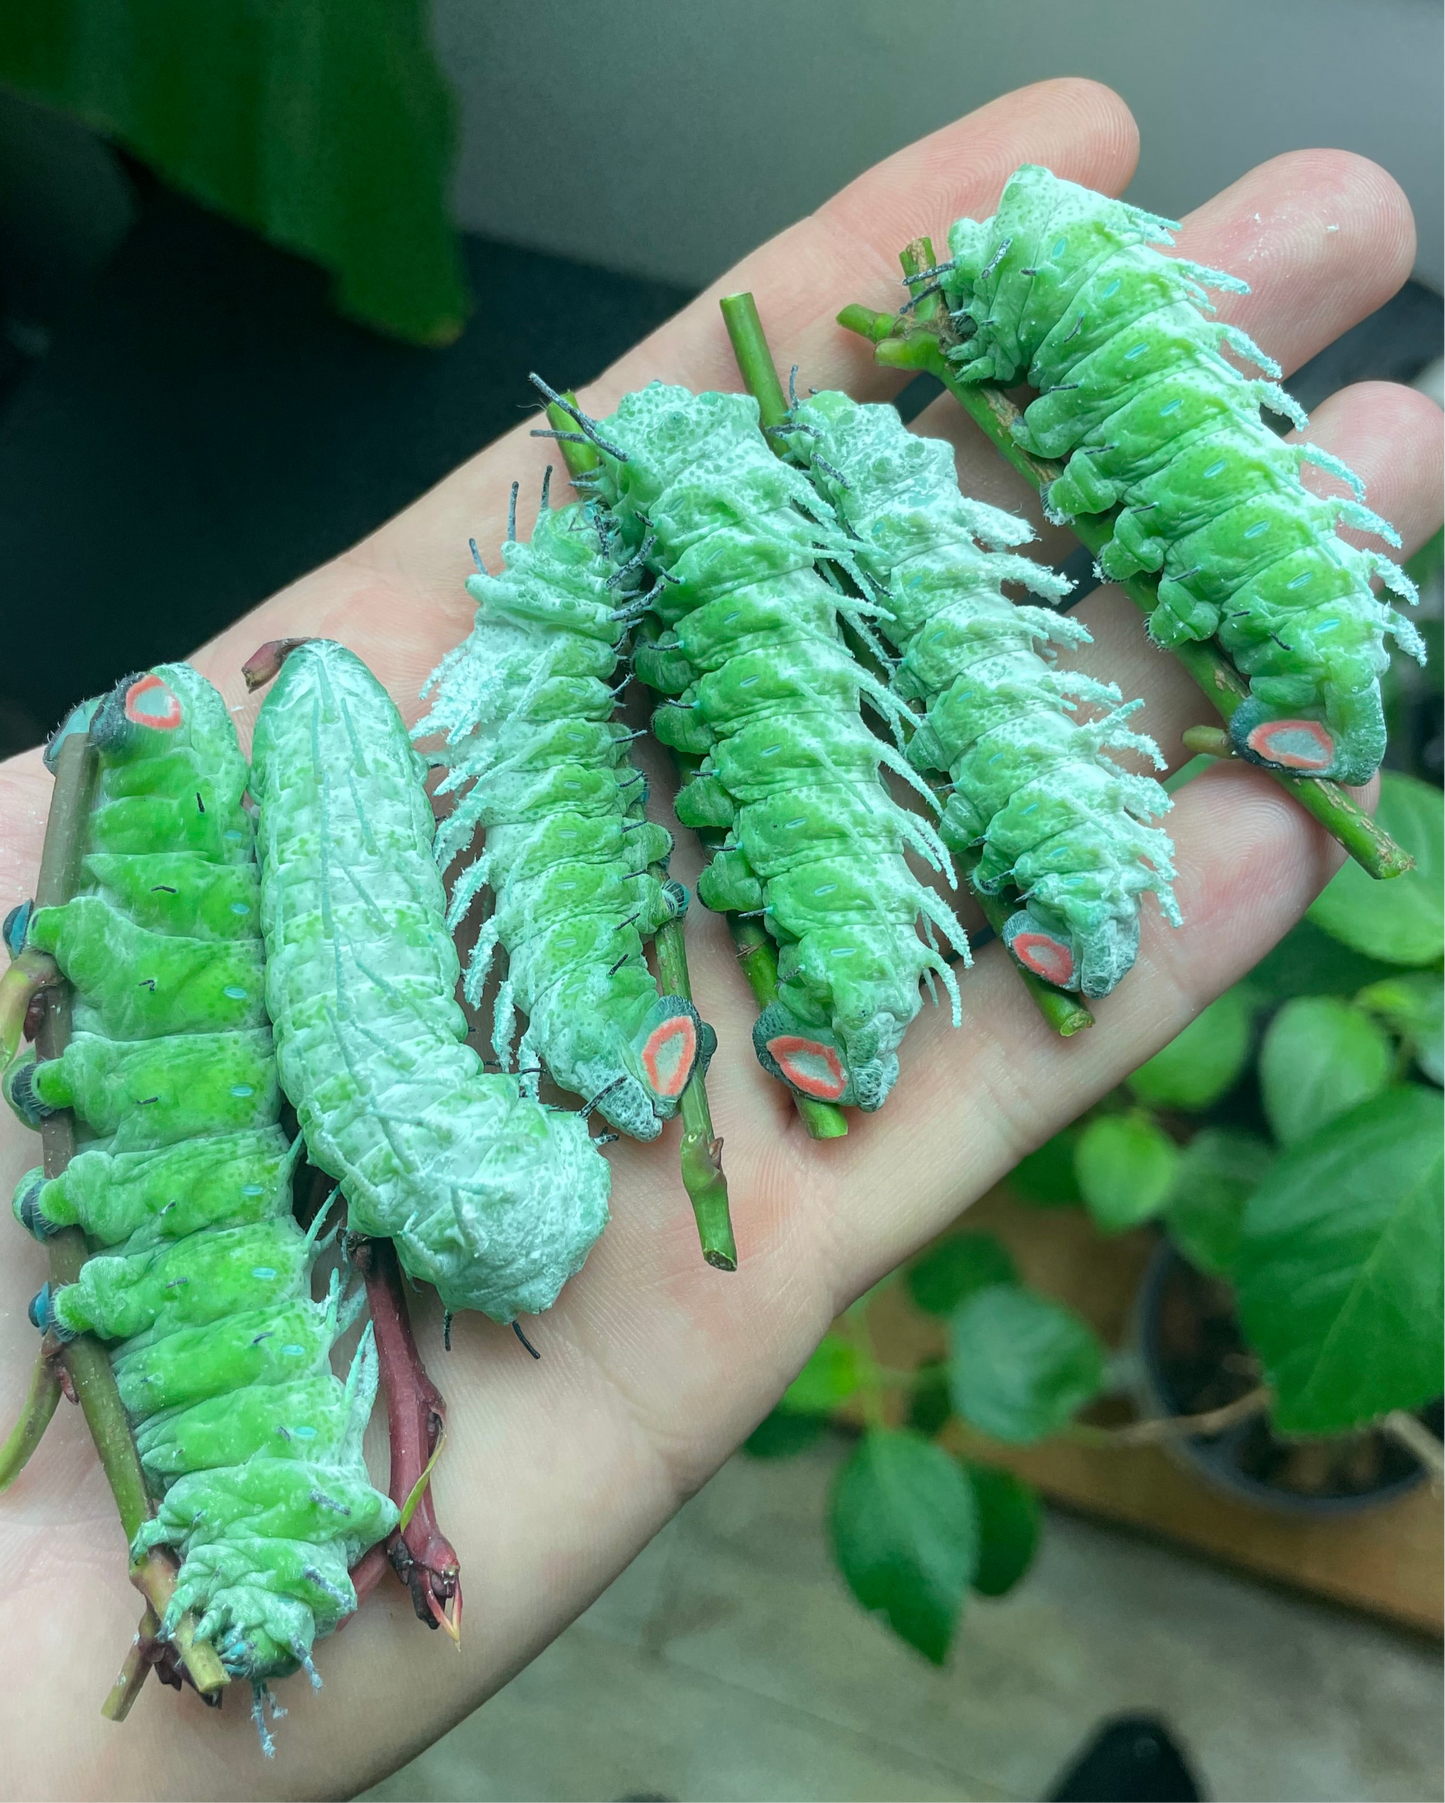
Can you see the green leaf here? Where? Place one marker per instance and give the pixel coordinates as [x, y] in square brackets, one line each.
[1411, 1006]
[1339, 1266]
[829, 1378]
[1046, 1177]
[1319, 1059]
[1021, 1366]
[780, 1435]
[955, 1268]
[1125, 1164]
[327, 128]
[1197, 1067]
[1009, 1521]
[905, 1536]
[1217, 1174]
[1307, 961]
[929, 1404]
[1401, 920]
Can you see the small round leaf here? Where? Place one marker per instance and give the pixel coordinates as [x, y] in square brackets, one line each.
[1320, 1057]
[905, 1536]
[1020, 1366]
[1204, 1061]
[951, 1271]
[1009, 1521]
[1126, 1164]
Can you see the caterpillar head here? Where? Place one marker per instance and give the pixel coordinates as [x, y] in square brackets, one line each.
[1090, 961]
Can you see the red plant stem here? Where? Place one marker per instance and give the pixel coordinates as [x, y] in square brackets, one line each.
[419, 1553]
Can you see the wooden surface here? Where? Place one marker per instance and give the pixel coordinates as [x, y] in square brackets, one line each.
[1386, 1560]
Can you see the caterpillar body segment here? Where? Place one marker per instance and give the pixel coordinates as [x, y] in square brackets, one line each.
[1037, 803]
[200, 1275]
[488, 1195]
[525, 706]
[1136, 393]
[762, 690]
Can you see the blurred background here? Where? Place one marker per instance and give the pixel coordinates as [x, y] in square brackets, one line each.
[266, 273]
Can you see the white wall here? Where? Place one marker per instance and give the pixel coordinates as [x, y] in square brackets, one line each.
[667, 137]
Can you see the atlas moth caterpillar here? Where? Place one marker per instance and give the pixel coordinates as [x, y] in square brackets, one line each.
[525, 708]
[203, 1277]
[761, 688]
[488, 1195]
[1064, 287]
[1037, 803]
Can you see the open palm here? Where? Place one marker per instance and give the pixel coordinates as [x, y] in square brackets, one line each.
[655, 1366]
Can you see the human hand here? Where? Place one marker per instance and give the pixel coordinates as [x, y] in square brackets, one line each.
[654, 1365]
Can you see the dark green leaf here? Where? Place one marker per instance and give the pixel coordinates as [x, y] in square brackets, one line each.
[830, 1377]
[953, 1269]
[1339, 1266]
[1195, 1069]
[929, 1404]
[780, 1435]
[1020, 1366]
[1411, 1005]
[1009, 1520]
[1125, 1164]
[1217, 1174]
[1319, 1059]
[1307, 961]
[905, 1536]
[1401, 920]
[327, 128]
[1046, 1177]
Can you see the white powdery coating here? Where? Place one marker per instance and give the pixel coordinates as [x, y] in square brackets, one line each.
[491, 1197]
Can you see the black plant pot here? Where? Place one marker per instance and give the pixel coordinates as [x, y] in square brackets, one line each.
[1194, 1359]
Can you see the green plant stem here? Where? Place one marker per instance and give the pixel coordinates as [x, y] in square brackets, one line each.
[84, 1357]
[702, 1172]
[900, 342]
[872, 1401]
[40, 1404]
[756, 952]
[1064, 1012]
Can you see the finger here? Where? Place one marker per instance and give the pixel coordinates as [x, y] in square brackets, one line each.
[1391, 436]
[1323, 238]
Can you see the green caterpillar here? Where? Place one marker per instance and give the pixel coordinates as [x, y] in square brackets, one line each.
[526, 709]
[1036, 802]
[250, 1442]
[488, 1195]
[762, 689]
[1063, 286]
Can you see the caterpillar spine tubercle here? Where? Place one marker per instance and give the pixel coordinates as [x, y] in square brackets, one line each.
[1138, 401]
[488, 1195]
[740, 534]
[203, 1276]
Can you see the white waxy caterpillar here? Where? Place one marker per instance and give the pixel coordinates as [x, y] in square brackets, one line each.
[1064, 287]
[762, 689]
[1037, 804]
[202, 1274]
[488, 1195]
[525, 706]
